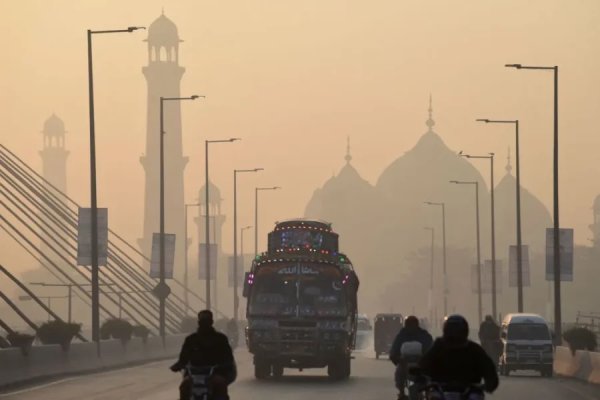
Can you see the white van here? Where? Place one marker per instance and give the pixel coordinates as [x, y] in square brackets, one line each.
[527, 344]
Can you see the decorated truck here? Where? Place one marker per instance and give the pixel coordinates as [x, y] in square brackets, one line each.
[301, 302]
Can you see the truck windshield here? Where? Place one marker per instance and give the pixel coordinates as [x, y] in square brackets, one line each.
[528, 332]
[298, 290]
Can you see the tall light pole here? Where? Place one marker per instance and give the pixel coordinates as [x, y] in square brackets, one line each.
[164, 291]
[242, 239]
[443, 206]
[518, 199]
[256, 190]
[556, 258]
[479, 300]
[186, 300]
[236, 300]
[207, 211]
[431, 273]
[93, 197]
[494, 292]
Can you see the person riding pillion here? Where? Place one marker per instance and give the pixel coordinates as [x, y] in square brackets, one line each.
[207, 347]
[409, 345]
[455, 360]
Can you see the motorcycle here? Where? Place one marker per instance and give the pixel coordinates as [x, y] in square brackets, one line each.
[199, 376]
[444, 391]
[424, 388]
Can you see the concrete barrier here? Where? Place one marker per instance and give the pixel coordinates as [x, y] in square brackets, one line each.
[52, 361]
[595, 374]
[583, 365]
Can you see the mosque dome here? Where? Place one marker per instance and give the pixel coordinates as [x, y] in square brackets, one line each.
[423, 174]
[535, 217]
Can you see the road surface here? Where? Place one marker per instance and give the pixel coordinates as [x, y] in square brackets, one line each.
[371, 380]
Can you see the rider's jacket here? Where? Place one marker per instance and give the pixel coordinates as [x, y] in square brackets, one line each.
[207, 347]
[409, 335]
[459, 364]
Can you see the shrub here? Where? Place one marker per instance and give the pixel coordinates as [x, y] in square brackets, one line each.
[58, 332]
[188, 324]
[116, 328]
[22, 340]
[140, 331]
[580, 338]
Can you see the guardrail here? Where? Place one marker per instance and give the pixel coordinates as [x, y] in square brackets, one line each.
[583, 365]
[52, 361]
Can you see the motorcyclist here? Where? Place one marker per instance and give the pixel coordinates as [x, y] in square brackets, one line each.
[454, 360]
[411, 333]
[207, 347]
[489, 337]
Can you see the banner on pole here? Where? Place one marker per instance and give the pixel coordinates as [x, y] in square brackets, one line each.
[513, 275]
[486, 277]
[169, 255]
[566, 254]
[202, 261]
[243, 265]
[84, 236]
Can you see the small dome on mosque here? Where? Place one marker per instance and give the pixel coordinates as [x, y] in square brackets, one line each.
[163, 32]
[54, 126]
[214, 194]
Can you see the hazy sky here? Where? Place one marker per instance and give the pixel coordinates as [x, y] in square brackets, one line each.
[295, 78]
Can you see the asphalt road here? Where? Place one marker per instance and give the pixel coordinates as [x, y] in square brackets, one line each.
[371, 380]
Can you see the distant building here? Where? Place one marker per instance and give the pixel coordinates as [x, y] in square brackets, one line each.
[163, 76]
[381, 226]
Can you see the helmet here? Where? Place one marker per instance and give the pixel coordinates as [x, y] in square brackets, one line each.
[411, 322]
[456, 329]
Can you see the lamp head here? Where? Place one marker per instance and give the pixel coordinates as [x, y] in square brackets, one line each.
[234, 139]
[486, 120]
[135, 28]
[258, 169]
[454, 182]
[517, 66]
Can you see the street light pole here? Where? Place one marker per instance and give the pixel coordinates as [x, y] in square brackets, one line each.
[518, 200]
[185, 265]
[162, 297]
[479, 299]
[93, 194]
[556, 239]
[207, 212]
[494, 283]
[443, 206]
[431, 274]
[236, 299]
[256, 190]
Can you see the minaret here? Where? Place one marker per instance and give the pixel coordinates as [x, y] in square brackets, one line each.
[54, 156]
[163, 76]
[54, 164]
